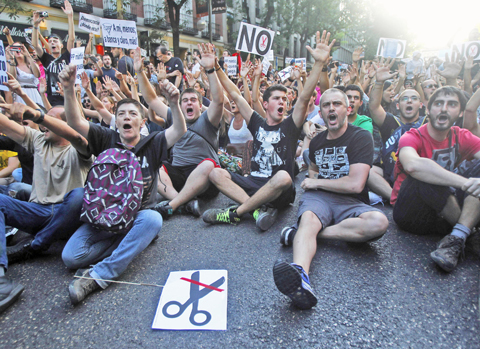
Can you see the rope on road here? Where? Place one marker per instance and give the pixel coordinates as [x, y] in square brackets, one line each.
[118, 282]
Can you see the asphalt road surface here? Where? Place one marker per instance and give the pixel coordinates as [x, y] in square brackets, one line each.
[386, 294]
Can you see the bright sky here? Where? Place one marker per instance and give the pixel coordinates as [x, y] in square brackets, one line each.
[435, 22]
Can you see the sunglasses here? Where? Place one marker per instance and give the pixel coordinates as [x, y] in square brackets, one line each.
[431, 86]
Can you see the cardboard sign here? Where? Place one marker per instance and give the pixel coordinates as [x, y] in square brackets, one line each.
[89, 23]
[254, 39]
[270, 55]
[391, 48]
[76, 57]
[119, 33]
[193, 300]
[3, 68]
[266, 65]
[231, 63]
[285, 73]
[467, 49]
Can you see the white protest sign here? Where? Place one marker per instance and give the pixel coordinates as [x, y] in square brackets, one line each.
[269, 56]
[254, 39]
[467, 49]
[288, 60]
[76, 57]
[193, 300]
[119, 33]
[231, 63]
[89, 23]
[299, 61]
[285, 73]
[143, 52]
[3, 68]
[391, 48]
[266, 64]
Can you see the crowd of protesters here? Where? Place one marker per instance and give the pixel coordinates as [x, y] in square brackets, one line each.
[379, 131]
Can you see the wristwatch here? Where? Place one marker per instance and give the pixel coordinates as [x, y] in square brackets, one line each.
[41, 118]
[210, 71]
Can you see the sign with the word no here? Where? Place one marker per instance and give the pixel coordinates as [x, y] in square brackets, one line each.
[193, 300]
[254, 39]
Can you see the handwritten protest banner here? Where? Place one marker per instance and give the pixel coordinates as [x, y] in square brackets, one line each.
[193, 300]
[231, 63]
[119, 33]
[89, 23]
[254, 39]
[285, 73]
[266, 64]
[3, 68]
[76, 57]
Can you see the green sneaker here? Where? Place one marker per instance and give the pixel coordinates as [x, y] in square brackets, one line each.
[221, 215]
[265, 217]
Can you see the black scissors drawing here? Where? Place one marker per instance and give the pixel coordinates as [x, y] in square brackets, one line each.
[195, 295]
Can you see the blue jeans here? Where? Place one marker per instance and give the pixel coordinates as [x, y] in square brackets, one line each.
[22, 190]
[111, 253]
[48, 223]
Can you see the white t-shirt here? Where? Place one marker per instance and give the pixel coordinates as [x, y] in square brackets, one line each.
[239, 136]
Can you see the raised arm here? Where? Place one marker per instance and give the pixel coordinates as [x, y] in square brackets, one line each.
[470, 116]
[6, 31]
[321, 55]
[178, 128]
[96, 103]
[15, 87]
[74, 117]
[42, 89]
[215, 109]
[146, 88]
[9, 127]
[452, 68]
[377, 113]
[88, 48]
[242, 105]
[246, 67]
[36, 20]
[401, 78]
[256, 104]
[68, 10]
[467, 75]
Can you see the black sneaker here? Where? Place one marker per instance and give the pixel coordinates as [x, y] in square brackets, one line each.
[21, 251]
[473, 242]
[221, 215]
[80, 288]
[293, 282]
[287, 236]
[192, 207]
[9, 292]
[164, 209]
[265, 217]
[448, 251]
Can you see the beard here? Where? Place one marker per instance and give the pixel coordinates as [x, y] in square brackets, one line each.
[445, 125]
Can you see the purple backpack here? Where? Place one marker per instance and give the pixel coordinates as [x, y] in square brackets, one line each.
[113, 191]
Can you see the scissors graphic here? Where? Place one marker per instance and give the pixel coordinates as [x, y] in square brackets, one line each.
[195, 295]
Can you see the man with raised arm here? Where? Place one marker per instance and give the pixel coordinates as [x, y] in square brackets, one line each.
[195, 154]
[270, 183]
[61, 163]
[391, 128]
[55, 62]
[110, 253]
[432, 193]
[335, 203]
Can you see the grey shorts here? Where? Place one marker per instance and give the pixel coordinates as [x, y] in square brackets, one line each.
[331, 208]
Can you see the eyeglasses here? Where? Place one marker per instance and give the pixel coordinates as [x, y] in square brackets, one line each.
[431, 86]
[406, 98]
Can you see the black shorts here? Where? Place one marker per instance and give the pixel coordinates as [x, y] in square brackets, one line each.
[252, 184]
[179, 174]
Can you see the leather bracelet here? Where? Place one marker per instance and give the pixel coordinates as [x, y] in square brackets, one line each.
[217, 69]
[41, 118]
[325, 68]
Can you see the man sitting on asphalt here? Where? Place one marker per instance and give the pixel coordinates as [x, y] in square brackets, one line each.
[195, 154]
[110, 253]
[426, 171]
[335, 203]
[61, 163]
[274, 146]
[391, 128]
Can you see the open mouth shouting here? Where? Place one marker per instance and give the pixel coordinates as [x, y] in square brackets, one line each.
[280, 110]
[190, 112]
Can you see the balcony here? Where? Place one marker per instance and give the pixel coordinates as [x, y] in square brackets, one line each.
[77, 5]
[127, 14]
[215, 32]
[189, 26]
[154, 17]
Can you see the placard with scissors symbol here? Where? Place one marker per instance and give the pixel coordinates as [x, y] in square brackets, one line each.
[193, 300]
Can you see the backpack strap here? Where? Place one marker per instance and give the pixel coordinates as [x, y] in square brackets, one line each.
[144, 142]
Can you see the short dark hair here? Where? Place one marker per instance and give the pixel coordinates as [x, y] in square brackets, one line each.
[163, 49]
[198, 53]
[448, 91]
[355, 88]
[268, 91]
[131, 101]
[191, 90]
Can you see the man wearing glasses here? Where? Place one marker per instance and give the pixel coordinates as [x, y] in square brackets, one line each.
[428, 87]
[391, 129]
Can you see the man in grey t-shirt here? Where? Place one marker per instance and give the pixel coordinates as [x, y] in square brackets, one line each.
[195, 154]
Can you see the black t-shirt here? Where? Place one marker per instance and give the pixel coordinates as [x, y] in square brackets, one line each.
[24, 156]
[110, 73]
[125, 64]
[173, 64]
[334, 156]
[52, 68]
[149, 156]
[274, 147]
